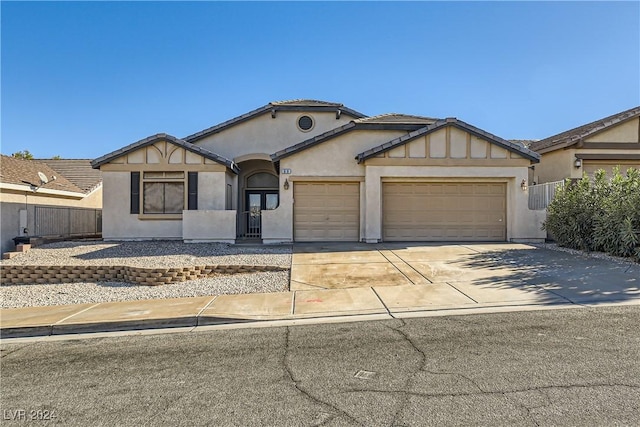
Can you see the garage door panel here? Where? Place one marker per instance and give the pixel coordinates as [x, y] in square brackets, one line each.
[444, 211]
[326, 211]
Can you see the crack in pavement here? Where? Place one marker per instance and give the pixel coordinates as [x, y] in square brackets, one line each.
[296, 383]
[527, 408]
[4, 353]
[423, 361]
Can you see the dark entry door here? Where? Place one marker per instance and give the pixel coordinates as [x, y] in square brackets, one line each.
[256, 202]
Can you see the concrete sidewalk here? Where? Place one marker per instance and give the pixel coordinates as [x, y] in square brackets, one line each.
[333, 281]
[354, 303]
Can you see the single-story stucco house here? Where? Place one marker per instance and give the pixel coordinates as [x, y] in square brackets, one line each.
[307, 170]
[602, 144]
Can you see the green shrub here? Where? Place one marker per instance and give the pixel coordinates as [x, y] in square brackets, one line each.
[598, 214]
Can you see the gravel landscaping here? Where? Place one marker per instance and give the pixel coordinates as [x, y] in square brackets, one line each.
[150, 254]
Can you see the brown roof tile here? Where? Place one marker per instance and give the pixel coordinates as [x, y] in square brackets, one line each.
[78, 171]
[396, 118]
[25, 172]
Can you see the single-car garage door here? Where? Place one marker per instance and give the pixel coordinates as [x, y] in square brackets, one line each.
[422, 211]
[326, 211]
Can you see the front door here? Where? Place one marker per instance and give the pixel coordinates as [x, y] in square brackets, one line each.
[256, 202]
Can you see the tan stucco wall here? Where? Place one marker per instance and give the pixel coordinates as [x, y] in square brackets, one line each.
[560, 164]
[628, 131]
[209, 226]
[119, 224]
[265, 135]
[211, 190]
[555, 166]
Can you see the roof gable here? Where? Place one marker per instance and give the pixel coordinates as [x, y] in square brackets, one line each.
[172, 140]
[575, 135]
[309, 105]
[391, 121]
[441, 124]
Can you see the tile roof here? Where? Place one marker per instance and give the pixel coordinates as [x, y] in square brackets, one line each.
[273, 107]
[573, 136]
[165, 137]
[25, 172]
[77, 171]
[306, 103]
[396, 118]
[440, 124]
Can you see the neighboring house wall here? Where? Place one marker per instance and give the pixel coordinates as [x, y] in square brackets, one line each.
[14, 201]
[615, 145]
[556, 166]
[266, 135]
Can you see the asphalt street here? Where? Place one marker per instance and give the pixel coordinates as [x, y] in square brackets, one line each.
[556, 367]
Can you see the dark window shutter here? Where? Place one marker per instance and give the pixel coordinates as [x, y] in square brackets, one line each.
[135, 192]
[193, 191]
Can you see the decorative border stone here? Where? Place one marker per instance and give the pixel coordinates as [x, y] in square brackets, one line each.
[28, 274]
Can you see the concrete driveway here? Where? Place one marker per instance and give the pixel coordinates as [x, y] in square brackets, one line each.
[434, 276]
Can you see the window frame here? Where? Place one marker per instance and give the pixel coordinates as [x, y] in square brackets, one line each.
[165, 177]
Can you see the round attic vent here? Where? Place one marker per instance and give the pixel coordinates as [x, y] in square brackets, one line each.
[305, 123]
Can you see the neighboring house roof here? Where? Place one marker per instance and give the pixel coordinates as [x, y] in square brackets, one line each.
[575, 135]
[25, 173]
[440, 124]
[77, 171]
[164, 137]
[390, 121]
[273, 108]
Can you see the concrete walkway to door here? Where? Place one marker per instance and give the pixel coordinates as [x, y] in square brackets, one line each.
[419, 276]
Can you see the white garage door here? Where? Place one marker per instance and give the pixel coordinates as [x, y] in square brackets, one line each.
[326, 211]
[421, 211]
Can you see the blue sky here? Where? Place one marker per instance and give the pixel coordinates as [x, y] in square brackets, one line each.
[81, 79]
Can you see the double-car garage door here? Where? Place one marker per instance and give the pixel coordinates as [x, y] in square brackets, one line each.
[411, 211]
[431, 211]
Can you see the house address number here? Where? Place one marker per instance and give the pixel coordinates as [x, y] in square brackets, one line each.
[286, 171]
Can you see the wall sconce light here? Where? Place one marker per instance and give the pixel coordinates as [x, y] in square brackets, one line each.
[577, 163]
[523, 185]
[286, 184]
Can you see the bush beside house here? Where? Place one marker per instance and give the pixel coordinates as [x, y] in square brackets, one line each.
[598, 214]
